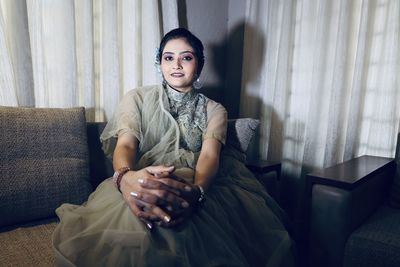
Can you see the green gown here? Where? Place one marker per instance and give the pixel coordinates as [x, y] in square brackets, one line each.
[238, 224]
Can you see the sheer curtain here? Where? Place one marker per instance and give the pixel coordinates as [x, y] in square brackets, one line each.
[79, 53]
[323, 77]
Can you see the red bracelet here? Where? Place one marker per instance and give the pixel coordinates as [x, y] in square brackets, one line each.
[117, 177]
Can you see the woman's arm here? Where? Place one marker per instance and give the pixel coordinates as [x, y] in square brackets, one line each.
[208, 162]
[125, 151]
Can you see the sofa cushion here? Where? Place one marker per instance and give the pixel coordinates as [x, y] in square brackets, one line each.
[240, 132]
[376, 242]
[27, 246]
[43, 162]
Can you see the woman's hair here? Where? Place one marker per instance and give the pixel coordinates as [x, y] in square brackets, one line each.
[192, 40]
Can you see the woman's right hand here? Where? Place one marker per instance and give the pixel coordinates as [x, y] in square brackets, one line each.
[147, 196]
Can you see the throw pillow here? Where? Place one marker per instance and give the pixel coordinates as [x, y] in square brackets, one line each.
[239, 135]
[43, 162]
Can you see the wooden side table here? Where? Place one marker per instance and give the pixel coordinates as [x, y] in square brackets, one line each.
[350, 174]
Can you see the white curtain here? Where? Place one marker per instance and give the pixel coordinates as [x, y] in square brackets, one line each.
[79, 53]
[324, 78]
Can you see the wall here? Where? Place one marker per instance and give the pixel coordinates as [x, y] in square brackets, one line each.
[220, 25]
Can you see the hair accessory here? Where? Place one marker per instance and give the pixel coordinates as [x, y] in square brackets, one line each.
[157, 56]
[157, 62]
[197, 84]
[118, 176]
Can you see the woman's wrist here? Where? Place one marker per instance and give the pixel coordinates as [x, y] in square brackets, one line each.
[118, 175]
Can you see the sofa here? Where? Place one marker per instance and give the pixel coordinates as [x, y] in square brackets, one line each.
[355, 213]
[50, 156]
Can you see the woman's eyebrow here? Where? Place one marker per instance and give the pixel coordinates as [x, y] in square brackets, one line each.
[183, 52]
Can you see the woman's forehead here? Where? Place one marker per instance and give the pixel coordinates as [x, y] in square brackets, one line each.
[179, 44]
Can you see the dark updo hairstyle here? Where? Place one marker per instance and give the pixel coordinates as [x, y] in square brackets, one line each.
[190, 38]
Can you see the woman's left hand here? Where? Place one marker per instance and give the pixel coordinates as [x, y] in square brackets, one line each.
[187, 191]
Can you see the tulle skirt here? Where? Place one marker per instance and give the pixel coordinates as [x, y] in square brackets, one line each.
[238, 225]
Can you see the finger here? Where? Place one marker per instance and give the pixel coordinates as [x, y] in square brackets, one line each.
[164, 183]
[180, 185]
[162, 198]
[156, 211]
[162, 175]
[160, 169]
[152, 183]
[158, 184]
[173, 222]
[149, 198]
[139, 213]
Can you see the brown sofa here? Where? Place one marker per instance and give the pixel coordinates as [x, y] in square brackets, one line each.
[51, 156]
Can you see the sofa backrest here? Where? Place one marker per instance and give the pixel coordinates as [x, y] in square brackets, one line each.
[44, 162]
[100, 166]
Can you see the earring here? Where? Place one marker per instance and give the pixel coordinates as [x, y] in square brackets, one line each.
[197, 84]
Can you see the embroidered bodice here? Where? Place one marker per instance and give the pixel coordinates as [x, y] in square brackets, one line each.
[190, 112]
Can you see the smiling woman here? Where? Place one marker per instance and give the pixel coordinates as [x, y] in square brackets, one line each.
[179, 65]
[166, 145]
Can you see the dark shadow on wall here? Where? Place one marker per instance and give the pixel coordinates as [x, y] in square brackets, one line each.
[227, 64]
[182, 14]
[233, 73]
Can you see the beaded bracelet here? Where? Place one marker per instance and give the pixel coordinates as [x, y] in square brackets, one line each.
[117, 177]
[202, 196]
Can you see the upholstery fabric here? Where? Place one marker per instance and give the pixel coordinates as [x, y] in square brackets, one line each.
[240, 132]
[376, 242]
[43, 162]
[30, 246]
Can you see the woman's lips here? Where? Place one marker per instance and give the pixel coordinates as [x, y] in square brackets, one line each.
[177, 74]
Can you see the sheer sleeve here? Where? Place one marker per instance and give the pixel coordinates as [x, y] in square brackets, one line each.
[216, 122]
[126, 119]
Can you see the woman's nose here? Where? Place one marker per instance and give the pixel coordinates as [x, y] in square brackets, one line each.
[177, 64]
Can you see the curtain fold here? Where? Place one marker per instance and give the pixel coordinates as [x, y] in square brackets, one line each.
[79, 53]
[327, 82]
[323, 77]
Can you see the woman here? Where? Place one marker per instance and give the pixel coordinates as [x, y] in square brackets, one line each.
[165, 143]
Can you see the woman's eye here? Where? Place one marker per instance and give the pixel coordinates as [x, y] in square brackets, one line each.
[187, 58]
[168, 58]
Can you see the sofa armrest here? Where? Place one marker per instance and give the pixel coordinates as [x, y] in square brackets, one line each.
[100, 166]
[343, 196]
[268, 173]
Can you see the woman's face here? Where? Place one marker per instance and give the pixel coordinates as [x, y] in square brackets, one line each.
[179, 64]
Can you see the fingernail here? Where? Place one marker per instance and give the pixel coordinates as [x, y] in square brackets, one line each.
[140, 180]
[134, 194]
[149, 225]
[167, 218]
[185, 204]
[188, 188]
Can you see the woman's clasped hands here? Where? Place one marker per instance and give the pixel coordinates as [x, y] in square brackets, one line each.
[155, 195]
